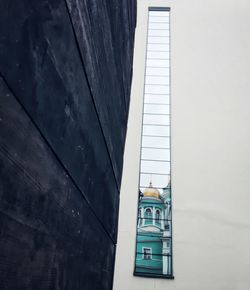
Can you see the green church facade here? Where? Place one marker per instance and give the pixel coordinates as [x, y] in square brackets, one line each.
[154, 233]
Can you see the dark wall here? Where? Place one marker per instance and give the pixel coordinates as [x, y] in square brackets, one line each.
[65, 77]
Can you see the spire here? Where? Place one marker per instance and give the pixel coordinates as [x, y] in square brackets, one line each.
[150, 181]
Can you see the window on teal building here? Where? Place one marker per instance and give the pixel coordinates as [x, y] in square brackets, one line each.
[148, 216]
[147, 253]
[153, 256]
[157, 217]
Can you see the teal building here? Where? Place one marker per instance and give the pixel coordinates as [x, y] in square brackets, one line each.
[153, 244]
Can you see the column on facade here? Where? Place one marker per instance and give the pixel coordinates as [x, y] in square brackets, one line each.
[142, 216]
[165, 254]
[162, 219]
[153, 215]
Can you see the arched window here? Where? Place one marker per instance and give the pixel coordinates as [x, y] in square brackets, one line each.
[148, 215]
[157, 216]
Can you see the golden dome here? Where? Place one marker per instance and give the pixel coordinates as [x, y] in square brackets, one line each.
[151, 191]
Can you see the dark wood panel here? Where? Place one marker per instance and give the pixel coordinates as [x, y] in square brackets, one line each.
[49, 239]
[105, 36]
[64, 99]
[42, 65]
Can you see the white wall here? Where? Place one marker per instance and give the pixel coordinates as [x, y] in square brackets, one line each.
[210, 84]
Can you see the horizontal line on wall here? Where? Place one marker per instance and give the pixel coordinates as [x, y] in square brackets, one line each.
[160, 36]
[156, 125]
[163, 15]
[154, 173]
[158, 19]
[156, 114]
[161, 85]
[154, 94]
[155, 136]
[155, 160]
[159, 43]
[158, 22]
[160, 104]
[152, 9]
[157, 75]
[160, 16]
[150, 147]
[153, 58]
[162, 43]
[153, 275]
[152, 50]
[159, 29]
[148, 66]
[164, 36]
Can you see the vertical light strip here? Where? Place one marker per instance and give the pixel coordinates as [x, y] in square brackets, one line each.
[154, 227]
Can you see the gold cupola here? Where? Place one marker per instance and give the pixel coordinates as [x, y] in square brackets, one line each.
[150, 191]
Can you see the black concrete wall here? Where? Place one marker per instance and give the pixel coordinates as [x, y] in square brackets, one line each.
[65, 77]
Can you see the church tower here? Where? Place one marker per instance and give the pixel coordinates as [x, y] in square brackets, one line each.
[153, 232]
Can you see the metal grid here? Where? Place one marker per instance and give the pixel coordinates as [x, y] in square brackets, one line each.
[155, 163]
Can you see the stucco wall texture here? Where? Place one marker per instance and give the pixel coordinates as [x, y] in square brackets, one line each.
[65, 77]
[210, 88]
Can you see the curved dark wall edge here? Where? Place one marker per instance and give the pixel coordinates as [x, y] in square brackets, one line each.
[62, 143]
